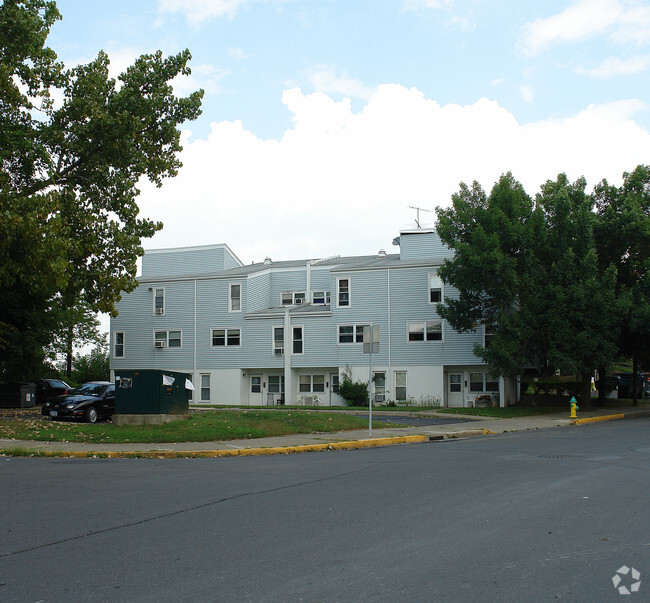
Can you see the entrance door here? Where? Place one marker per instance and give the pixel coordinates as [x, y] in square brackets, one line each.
[334, 388]
[455, 397]
[256, 390]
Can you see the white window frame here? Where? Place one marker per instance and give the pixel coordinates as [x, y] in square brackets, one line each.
[357, 332]
[338, 292]
[231, 298]
[488, 332]
[167, 338]
[115, 344]
[203, 387]
[154, 310]
[435, 283]
[321, 294]
[225, 337]
[292, 298]
[278, 344]
[425, 324]
[302, 384]
[397, 386]
[280, 384]
[294, 340]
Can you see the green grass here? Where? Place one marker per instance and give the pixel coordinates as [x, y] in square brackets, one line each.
[200, 427]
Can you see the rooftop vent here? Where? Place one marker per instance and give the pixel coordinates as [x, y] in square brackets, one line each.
[267, 260]
[382, 253]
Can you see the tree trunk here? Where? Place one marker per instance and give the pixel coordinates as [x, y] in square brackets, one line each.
[602, 374]
[635, 384]
[585, 391]
[68, 354]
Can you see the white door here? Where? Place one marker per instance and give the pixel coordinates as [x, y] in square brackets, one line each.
[455, 394]
[256, 390]
[334, 388]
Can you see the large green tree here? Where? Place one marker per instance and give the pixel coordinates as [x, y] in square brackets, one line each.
[529, 271]
[69, 222]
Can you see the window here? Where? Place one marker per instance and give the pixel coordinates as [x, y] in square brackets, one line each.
[335, 383]
[293, 298]
[276, 384]
[226, 337]
[435, 288]
[343, 292]
[167, 339]
[491, 383]
[430, 330]
[256, 384]
[476, 382]
[118, 344]
[320, 297]
[488, 333]
[234, 303]
[297, 340]
[278, 341]
[311, 383]
[205, 387]
[351, 333]
[455, 383]
[158, 301]
[400, 385]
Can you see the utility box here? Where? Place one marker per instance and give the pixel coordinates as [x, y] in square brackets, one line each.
[17, 395]
[151, 396]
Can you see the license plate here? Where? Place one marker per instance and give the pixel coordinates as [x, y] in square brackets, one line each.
[53, 413]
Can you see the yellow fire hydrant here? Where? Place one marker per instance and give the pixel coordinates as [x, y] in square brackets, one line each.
[574, 407]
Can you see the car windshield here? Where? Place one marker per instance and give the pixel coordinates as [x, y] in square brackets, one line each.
[90, 389]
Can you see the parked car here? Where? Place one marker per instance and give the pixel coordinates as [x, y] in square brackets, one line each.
[46, 389]
[625, 385]
[89, 402]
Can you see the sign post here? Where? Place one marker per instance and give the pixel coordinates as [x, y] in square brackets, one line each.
[370, 347]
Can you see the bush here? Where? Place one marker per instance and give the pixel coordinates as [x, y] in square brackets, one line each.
[354, 393]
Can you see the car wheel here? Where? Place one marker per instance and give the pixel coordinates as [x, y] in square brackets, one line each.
[91, 414]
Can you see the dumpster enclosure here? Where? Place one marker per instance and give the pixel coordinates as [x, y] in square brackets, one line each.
[151, 396]
[17, 395]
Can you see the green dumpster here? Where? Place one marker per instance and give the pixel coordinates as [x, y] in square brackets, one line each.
[151, 392]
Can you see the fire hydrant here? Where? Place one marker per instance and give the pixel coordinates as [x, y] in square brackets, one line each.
[574, 407]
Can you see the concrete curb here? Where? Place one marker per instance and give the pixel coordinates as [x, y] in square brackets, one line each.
[159, 454]
[598, 419]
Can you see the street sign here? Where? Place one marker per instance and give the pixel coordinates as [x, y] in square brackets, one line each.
[371, 339]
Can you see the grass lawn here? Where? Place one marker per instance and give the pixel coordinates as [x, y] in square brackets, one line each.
[200, 427]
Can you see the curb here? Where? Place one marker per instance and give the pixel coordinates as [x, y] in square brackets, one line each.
[597, 419]
[160, 454]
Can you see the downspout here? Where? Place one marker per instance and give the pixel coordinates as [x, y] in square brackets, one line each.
[390, 371]
[308, 283]
[194, 358]
[288, 385]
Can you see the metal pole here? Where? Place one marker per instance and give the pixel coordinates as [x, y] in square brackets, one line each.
[370, 386]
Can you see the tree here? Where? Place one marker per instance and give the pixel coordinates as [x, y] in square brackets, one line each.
[93, 366]
[529, 270]
[623, 240]
[69, 224]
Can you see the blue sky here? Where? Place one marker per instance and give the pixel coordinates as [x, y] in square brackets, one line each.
[324, 120]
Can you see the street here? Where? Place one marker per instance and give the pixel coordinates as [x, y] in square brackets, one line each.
[530, 516]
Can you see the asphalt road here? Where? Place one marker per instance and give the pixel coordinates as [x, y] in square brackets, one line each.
[536, 516]
[416, 421]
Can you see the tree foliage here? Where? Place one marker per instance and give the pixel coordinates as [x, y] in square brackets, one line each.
[69, 222]
[557, 279]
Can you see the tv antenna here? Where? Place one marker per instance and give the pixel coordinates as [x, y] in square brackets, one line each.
[418, 210]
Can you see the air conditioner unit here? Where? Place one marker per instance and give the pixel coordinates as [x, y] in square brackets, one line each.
[380, 397]
[160, 344]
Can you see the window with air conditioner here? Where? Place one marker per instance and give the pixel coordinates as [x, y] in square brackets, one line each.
[159, 301]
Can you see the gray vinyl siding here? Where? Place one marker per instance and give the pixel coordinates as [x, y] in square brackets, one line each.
[174, 262]
[259, 292]
[287, 280]
[320, 279]
[418, 245]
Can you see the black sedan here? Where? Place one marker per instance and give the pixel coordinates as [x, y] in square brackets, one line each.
[89, 402]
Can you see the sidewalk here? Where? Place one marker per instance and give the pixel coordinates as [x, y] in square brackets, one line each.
[325, 441]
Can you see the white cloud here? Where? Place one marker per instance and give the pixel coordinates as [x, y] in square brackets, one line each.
[325, 79]
[583, 19]
[203, 76]
[614, 66]
[340, 182]
[201, 10]
[462, 23]
[237, 53]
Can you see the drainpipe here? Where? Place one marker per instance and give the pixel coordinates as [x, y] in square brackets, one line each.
[194, 357]
[308, 283]
[288, 385]
[389, 377]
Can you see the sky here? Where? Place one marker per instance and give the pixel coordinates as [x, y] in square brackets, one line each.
[325, 122]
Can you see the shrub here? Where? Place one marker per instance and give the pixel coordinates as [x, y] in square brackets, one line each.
[355, 393]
